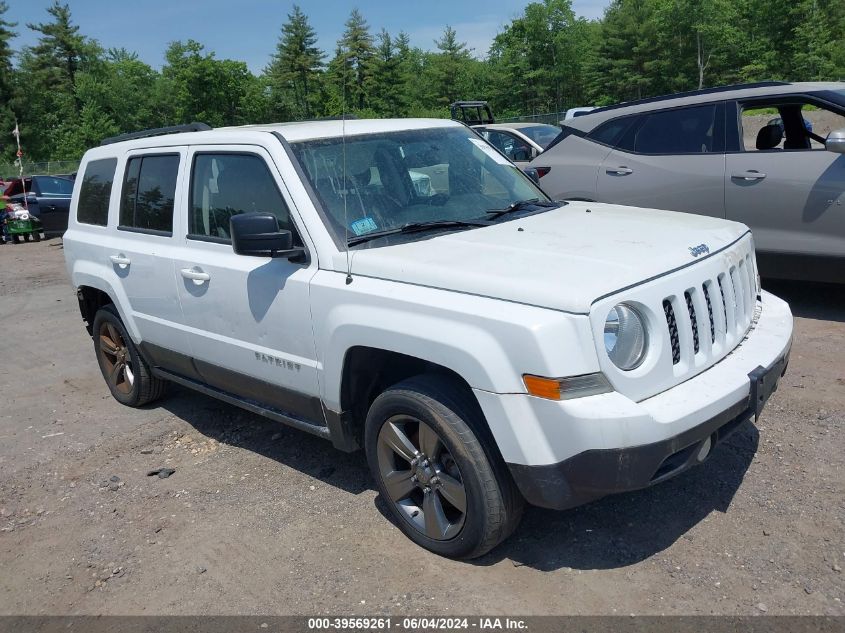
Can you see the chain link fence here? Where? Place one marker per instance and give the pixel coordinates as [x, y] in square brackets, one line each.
[552, 118]
[46, 168]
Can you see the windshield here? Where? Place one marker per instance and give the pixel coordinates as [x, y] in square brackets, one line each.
[540, 134]
[393, 179]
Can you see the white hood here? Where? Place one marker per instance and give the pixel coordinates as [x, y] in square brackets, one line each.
[563, 259]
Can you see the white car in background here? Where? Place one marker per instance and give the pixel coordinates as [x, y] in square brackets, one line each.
[520, 142]
[576, 112]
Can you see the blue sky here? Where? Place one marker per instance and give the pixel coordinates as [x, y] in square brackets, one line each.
[247, 30]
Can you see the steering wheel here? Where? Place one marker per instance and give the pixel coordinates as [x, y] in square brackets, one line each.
[438, 199]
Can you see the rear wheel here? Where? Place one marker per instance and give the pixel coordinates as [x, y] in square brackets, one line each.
[127, 375]
[437, 471]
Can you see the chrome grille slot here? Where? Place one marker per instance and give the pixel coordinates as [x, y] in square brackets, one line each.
[672, 324]
[752, 279]
[706, 288]
[738, 297]
[693, 322]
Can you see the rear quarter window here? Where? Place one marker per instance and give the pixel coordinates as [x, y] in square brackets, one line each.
[610, 132]
[94, 194]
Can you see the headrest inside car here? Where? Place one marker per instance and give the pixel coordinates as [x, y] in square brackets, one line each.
[769, 136]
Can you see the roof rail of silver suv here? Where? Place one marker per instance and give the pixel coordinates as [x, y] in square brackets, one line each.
[692, 93]
[159, 131]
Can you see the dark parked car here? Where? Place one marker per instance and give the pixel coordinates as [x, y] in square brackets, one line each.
[47, 198]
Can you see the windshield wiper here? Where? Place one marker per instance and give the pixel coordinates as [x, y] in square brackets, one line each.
[413, 227]
[521, 205]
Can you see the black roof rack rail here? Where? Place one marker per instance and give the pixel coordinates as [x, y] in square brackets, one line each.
[691, 93]
[472, 112]
[158, 131]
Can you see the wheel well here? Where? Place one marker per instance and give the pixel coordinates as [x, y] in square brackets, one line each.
[90, 300]
[368, 371]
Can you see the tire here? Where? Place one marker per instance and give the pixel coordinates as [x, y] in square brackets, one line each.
[460, 451]
[127, 375]
[36, 237]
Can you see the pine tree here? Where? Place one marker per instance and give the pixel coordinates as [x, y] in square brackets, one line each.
[627, 64]
[351, 69]
[7, 117]
[60, 48]
[448, 68]
[293, 73]
[45, 95]
[388, 81]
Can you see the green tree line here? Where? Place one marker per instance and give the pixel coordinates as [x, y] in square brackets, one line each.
[67, 92]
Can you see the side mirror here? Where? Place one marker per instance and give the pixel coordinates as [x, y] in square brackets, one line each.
[522, 154]
[533, 174]
[258, 235]
[835, 141]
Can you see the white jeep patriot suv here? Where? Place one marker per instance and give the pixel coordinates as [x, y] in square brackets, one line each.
[400, 286]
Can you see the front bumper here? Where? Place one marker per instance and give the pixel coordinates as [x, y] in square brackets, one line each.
[563, 454]
[600, 472]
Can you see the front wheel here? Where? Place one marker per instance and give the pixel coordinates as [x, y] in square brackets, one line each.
[437, 471]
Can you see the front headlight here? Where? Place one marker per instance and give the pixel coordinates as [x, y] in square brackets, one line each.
[625, 338]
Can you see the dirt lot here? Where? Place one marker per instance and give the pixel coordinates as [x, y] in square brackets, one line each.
[259, 518]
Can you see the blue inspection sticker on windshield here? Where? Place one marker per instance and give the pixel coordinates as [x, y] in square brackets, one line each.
[364, 225]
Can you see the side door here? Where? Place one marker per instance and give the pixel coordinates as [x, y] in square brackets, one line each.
[786, 187]
[669, 159]
[248, 318]
[53, 196]
[140, 250]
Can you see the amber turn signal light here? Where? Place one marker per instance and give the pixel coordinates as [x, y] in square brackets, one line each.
[566, 388]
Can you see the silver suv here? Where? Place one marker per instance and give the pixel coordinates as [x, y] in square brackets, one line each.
[768, 155]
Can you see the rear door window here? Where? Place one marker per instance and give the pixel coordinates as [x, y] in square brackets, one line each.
[93, 206]
[149, 191]
[681, 131]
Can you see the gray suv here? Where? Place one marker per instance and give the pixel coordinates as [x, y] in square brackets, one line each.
[768, 155]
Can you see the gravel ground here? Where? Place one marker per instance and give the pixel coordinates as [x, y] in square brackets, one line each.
[258, 518]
